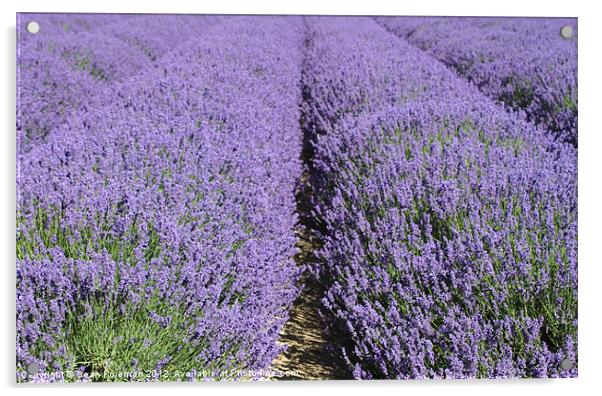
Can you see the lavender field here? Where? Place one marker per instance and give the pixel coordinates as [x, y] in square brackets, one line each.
[254, 197]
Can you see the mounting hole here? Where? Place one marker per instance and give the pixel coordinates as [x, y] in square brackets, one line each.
[33, 27]
[32, 368]
[566, 32]
[566, 364]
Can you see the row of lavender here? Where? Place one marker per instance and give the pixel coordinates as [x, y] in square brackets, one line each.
[155, 228]
[449, 225]
[79, 62]
[522, 62]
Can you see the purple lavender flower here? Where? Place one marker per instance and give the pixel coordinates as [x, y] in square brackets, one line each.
[449, 224]
[167, 199]
[522, 62]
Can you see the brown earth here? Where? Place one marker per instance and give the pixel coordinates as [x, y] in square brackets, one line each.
[307, 356]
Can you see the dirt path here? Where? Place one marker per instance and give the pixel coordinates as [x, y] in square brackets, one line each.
[307, 354]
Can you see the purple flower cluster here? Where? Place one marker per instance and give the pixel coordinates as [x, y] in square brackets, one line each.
[449, 225]
[78, 62]
[166, 204]
[522, 62]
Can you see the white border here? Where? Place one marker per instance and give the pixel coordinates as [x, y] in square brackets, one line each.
[590, 167]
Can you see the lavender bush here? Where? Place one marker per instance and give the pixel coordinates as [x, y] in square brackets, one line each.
[79, 62]
[449, 225]
[155, 231]
[522, 62]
